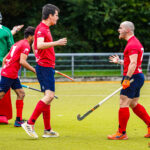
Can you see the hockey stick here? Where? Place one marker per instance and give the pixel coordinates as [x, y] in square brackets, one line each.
[25, 86]
[79, 117]
[64, 75]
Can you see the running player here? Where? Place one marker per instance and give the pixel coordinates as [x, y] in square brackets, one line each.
[45, 58]
[129, 95]
[16, 57]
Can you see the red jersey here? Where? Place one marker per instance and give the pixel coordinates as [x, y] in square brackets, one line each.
[44, 57]
[12, 64]
[133, 47]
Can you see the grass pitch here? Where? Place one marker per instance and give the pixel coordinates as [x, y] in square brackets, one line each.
[88, 134]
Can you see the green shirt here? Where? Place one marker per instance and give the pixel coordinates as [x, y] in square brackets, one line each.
[6, 41]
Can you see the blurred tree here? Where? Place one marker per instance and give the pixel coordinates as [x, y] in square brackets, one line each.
[89, 25]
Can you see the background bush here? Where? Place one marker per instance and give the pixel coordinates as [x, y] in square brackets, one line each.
[89, 25]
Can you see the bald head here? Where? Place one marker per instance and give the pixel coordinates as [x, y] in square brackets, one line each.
[128, 25]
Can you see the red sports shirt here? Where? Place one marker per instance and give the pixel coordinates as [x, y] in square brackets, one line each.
[12, 65]
[44, 57]
[133, 47]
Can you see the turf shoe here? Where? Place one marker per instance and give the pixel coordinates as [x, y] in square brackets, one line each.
[50, 133]
[148, 133]
[29, 129]
[18, 123]
[118, 136]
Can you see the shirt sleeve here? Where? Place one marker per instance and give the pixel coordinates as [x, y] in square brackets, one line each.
[26, 50]
[133, 50]
[41, 33]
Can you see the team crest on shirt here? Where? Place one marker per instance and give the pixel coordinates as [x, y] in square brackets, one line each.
[39, 32]
[26, 50]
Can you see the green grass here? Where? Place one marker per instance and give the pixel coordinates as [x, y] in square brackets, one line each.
[85, 73]
[80, 73]
[88, 134]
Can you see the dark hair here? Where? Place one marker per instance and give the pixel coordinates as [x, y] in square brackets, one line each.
[49, 9]
[29, 31]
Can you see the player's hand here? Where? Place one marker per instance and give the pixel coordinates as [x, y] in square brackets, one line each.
[34, 70]
[62, 42]
[114, 59]
[126, 82]
[18, 28]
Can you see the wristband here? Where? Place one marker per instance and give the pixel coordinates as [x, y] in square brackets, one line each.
[126, 78]
[17, 30]
[119, 61]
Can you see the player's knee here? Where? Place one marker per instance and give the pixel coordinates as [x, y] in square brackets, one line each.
[132, 105]
[51, 97]
[1, 95]
[21, 95]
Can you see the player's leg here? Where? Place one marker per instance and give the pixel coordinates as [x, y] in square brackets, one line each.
[126, 96]
[49, 96]
[5, 107]
[16, 86]
[47, 86]
[5, 100]
[48, 132]
[123, 117]
[141, 112]
[4, 104]
[2, 94]
[137, 108]
[43, 78]
[19, 107]
[47, 83]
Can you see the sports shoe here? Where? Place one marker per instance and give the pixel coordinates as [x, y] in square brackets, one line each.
[18, 123]
[50, 133]
[118, 136]
[29, 129]
[148, 134]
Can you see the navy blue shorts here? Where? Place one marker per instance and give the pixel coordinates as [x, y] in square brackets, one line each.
[7, 83]
[46, 78]
[134, 90]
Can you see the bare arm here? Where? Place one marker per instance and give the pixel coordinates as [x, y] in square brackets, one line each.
[33, 48]
[115, 59]
[132, 65]
[16, 29]
[25, 64]
[44, 45]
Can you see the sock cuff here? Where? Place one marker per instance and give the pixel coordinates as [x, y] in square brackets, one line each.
[137, 106]
[124, 108]
[42, 103]
[19, 102]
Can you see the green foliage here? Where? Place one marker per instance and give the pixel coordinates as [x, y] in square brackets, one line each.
[89, 25]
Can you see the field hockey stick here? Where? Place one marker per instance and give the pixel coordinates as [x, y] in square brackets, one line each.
[79, 117]
[64, 75]
[25, 86]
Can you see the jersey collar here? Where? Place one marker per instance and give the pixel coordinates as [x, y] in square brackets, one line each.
[131, 38]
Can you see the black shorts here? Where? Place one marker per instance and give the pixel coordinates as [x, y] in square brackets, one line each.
[46, 78]
[134, 90]
[7, 83]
